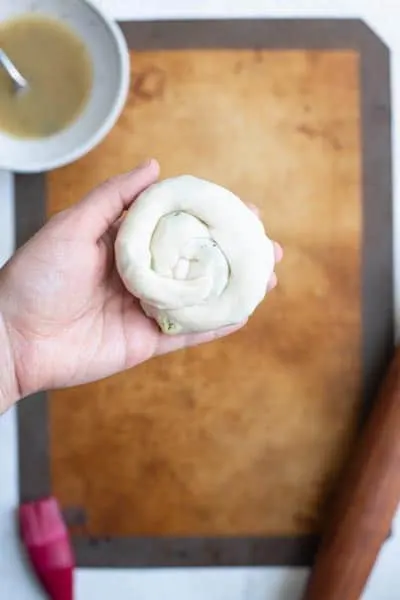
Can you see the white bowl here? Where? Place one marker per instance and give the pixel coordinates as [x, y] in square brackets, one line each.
[111, 73]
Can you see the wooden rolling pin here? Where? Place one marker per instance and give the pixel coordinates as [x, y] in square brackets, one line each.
[365, 504]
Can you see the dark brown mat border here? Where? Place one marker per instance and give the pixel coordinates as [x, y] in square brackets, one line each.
[377, 275]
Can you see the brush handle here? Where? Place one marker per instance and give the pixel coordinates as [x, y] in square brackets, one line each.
[366, 502]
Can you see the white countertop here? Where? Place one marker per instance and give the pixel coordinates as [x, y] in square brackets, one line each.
[16, 582]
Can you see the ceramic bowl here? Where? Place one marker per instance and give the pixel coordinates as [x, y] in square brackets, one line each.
[110, 58]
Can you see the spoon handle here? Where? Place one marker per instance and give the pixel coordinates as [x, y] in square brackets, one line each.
[18, 80]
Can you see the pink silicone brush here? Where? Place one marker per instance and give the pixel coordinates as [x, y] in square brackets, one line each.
[46, 540]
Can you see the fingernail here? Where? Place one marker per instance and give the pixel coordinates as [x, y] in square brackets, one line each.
[278, 252]
[272, 282]
[144, 165]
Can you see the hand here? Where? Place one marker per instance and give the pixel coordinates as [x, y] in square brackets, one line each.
[69, 320]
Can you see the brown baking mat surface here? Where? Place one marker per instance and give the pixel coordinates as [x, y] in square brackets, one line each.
[226, 454]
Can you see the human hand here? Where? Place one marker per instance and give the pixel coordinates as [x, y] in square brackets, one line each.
[67, 316]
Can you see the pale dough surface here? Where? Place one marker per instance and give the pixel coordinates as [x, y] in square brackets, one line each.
[194, 254]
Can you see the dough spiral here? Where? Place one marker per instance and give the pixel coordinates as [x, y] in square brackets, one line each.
[194, 254]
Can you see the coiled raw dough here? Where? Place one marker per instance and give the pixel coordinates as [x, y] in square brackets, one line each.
[194, 254]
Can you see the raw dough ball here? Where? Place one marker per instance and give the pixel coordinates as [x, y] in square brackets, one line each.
[194, 254]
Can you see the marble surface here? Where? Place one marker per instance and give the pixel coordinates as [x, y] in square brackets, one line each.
[16, 582]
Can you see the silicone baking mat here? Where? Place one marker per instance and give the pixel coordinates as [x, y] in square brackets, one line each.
[226, 454]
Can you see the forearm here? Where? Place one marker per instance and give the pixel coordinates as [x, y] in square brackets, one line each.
[9, 389]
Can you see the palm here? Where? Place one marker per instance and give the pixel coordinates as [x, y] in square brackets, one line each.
[75, 314]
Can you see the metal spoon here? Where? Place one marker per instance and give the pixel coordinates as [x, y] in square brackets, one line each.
[19, 82]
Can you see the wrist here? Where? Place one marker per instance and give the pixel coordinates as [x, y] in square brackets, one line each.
[9, 388]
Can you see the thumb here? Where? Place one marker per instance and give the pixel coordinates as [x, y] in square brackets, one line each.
[97, 211]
